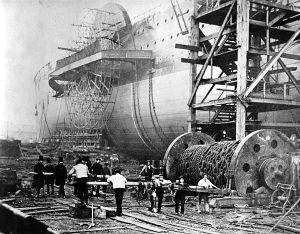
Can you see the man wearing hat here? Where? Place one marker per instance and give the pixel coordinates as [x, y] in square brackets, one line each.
[106, 172]
[118, 181]
[60, 174]
[147, 171]
[38, 178]
[49, 177]
[96, 170]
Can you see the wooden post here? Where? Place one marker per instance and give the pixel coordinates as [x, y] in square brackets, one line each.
[242, 65]
[194, 40]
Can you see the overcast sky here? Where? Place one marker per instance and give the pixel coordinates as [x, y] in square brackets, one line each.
[31, 31]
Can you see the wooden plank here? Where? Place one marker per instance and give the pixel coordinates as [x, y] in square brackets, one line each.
[138, 224]
[7, 200]
[272, 53]
[277, 5]
[225, 56]
[220, 80]
[274, 101]
[188, 47]
[214, 103]
[276, 71]
[47, 211]
[189, 227]
[92, 230]
[151, 221]
[212, 36]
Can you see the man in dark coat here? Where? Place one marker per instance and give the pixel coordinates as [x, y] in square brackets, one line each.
[38, 179]
[147, 171]
[96, 170]
[49, 176]
[180, 195]
[60, 174]
[106, 172]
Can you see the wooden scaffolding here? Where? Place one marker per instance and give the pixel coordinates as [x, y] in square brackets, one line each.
[253, 37]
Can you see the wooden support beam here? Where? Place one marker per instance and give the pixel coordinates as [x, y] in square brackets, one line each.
[290, 75]
[243, 11]
[219, 80]
[276, 19]
[138, 224]
[272, 53]
[208, 92]
[214, 103]
[273, 60]
[227, 90]
[207, 12]
[212, 36]
[194, 41]
[201, 74]
[68, 49]
[98, 230]
[188, 47]
[271, 72]
[276, 5]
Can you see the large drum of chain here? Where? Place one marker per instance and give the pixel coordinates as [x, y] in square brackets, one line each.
[261, 159]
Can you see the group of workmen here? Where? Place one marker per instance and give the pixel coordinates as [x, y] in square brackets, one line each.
[83, 169]
[49, 174]
[156, 190]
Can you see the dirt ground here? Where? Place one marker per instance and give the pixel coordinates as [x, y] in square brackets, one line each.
[138, 219]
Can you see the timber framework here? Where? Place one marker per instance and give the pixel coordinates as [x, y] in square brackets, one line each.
[251, 49]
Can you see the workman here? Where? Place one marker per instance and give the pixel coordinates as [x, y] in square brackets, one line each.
[97, 170]
[38, 178]
[82, 173]
[158, 192]
[60, 175]
[180, 195]
[147, 171]
[49, 178]
[118, 181]
[106, 172]
[204, 184]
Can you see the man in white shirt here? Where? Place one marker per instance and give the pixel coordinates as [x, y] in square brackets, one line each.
[204, 184]
[118, 181]
[82, 172]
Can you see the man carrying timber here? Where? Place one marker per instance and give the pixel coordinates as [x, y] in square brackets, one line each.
[82, 173]
[204, 184]
[97, 170]
[118, 181]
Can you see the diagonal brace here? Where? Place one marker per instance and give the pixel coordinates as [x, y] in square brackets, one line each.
[203, 69]
[290, 75]
[271, 62]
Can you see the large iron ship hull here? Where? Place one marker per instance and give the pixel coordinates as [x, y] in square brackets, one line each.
[134, 94]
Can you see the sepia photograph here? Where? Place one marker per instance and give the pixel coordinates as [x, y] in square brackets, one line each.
[162, 116]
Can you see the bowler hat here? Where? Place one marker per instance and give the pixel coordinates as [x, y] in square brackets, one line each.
[60, 159]
[41, 158]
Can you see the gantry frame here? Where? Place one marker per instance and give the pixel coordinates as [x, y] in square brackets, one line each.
[250, 31]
